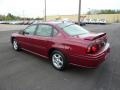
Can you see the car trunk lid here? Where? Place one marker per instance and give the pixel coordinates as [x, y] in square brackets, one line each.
[96, 40]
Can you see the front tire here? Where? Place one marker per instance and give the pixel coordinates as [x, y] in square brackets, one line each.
[16, 46]
[58, 60]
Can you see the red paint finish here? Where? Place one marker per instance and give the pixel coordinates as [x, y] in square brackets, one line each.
[73, 47]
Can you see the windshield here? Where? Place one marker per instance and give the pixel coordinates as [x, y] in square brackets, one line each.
[73, 30]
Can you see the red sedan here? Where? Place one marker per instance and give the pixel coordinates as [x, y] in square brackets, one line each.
[63, 43]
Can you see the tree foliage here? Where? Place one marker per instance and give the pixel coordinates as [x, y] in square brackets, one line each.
[108, 11]
[9, 16]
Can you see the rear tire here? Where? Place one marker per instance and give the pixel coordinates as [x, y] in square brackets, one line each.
[58, 60]
[16, 46]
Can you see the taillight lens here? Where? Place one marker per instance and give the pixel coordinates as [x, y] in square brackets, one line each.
[96, 46]
[93, 49]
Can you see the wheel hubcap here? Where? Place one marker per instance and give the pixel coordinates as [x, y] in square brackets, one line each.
[15, 45]
[57, 60]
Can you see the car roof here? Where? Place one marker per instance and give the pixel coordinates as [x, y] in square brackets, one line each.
[61, 24]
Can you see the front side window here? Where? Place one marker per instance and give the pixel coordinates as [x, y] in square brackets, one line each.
[30, 30]
[44, 30]
[74, 30]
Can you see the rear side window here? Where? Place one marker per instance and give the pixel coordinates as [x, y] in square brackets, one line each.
[55, 32]
[44, 30]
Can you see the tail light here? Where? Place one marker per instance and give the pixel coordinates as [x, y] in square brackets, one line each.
[93, 49]
[96, 46]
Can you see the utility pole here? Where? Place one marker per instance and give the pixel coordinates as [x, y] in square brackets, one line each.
[79, 12]
[45, 11]
[23, 16]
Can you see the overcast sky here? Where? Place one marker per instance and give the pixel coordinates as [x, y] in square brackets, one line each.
[35, 8]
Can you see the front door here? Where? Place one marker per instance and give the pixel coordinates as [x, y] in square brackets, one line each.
[25, 39]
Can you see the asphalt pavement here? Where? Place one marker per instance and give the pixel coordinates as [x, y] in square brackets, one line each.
[24, 71]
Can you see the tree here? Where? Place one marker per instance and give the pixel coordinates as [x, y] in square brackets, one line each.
[107, 11]
[10, 17]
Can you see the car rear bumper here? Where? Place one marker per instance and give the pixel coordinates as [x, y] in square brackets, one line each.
[91, 61]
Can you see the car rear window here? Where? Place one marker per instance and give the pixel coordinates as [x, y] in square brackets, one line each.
[74, 29]
[63, 25]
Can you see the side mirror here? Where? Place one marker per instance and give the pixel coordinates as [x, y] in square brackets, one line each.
[21, 32]
[25, 32]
